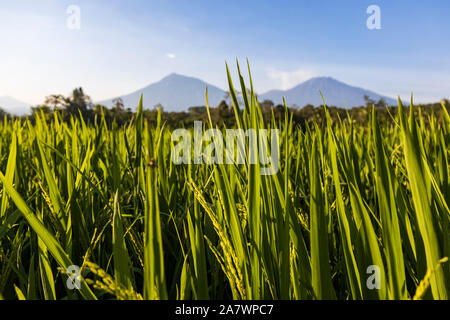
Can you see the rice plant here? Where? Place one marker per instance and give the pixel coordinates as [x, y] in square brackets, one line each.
[353, 212]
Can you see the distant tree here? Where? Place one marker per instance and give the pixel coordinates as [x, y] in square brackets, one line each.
[267, 104]
[378, 104]
[307, 112]
[55, 100]
[223, 113]
[197, 109]
[223, 107]
[3, 113]
[381, 103]
[369, 102]
[158, 106]
[78, 101]
[118, 104]
[266, 109]
[278, 111]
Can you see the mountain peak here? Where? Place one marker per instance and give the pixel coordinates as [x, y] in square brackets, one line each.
[175, 92]
[172, 75]
[14, 106]
[335, 92]
[176, 77]
[322, 79]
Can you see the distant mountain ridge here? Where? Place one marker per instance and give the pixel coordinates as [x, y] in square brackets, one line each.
[14, 106]
[178, 92]
[336, 93]
[175, 93]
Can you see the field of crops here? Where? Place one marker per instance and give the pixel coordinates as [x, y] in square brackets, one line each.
[354, 212]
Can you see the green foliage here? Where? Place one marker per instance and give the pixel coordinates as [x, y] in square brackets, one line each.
[354, 189]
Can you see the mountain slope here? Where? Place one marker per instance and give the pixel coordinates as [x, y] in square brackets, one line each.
[336, 93]
[174, 92]
[14, 106]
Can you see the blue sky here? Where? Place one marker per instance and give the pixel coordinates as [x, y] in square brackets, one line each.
[125, 45]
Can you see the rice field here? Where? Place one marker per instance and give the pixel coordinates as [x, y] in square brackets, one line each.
[101, 212]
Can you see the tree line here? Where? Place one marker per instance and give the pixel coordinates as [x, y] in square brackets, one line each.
[78, 104]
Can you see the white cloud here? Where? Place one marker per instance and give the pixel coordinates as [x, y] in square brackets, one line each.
[171, 55]
[290, 79]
